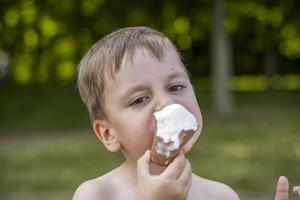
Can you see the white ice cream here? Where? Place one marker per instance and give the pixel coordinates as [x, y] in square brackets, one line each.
[171, 120]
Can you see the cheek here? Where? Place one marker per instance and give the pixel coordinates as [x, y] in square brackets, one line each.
[146, 127]
[137, 135]
[193, 107]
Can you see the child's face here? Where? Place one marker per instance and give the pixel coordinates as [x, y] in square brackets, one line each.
[145, 85]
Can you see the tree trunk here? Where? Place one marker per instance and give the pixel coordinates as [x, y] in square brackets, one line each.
[271, 69]
[4, 65]
[221, 59]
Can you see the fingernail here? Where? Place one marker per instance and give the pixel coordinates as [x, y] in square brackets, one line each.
[282, 180]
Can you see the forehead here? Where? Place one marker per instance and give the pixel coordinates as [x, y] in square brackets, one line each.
[142, 67]
[143, 63]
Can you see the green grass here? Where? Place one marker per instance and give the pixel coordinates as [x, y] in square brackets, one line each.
[51, 165]
[247, 151]
[27, 108]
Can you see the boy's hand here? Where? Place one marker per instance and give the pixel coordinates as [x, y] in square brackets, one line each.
[172, 184]
[282, 189]
[296, 190]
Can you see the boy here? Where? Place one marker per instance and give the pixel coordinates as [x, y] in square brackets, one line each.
[123, 79]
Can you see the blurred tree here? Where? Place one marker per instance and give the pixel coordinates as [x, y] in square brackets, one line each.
[221, 60]
[45, 39]
[265, 32]
[4, 63]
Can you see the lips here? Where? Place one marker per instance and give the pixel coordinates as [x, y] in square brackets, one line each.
[175, 126]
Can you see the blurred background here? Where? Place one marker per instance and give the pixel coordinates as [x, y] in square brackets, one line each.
[244, 58]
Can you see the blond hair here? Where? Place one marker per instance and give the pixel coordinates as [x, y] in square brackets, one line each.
[104, 58]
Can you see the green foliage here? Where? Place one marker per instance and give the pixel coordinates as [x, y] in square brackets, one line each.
[276, 21]
[46, 39]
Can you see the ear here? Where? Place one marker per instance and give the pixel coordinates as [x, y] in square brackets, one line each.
[106, 135]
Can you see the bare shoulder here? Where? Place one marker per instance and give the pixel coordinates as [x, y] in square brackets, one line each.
[211, 190]
[94, 189]
[87, 190]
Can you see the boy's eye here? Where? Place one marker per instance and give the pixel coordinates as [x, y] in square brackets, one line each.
[177, 88]
[139, 101]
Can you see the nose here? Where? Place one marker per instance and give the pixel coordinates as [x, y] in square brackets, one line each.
[162, 100]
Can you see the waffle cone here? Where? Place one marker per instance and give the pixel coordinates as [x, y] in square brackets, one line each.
[161, 158]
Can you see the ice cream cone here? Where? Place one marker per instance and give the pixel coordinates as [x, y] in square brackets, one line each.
[160, 150]
[175, 126]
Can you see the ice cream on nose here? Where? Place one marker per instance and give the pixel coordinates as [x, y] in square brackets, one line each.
[175, 126]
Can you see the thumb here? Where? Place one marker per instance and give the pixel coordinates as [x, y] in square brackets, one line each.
[282, 190]
[187, 147]
[143, 165]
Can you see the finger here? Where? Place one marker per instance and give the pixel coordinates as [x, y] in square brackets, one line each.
[175, 168]
[187, 185]
[296, 189]
[282, 190]
[187, 147]
[143, 165]
[186, 175]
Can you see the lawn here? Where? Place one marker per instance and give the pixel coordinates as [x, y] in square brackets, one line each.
[47, 147]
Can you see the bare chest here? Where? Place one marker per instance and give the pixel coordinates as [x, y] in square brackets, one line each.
[120, 193]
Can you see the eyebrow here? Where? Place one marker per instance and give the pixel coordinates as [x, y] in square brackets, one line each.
[132, 90]
[140, 87]
[176, 75]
